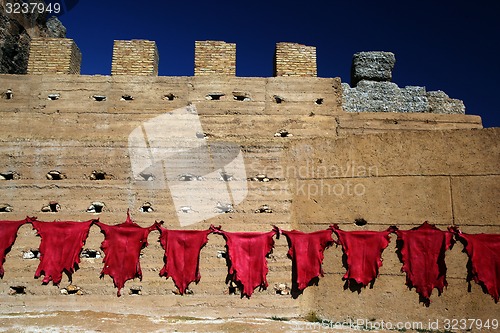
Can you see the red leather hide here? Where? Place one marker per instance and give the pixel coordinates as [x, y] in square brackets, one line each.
[422, 252]
[8, 234]
[306, 252]
[247, 264]
[182, 255]
[122, 247]
[363, 250]
[60, 248]
[484, 260]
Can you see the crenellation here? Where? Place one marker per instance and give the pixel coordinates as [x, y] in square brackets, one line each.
[135, 57]
[293, 59]
[214, 58]
[54, 56]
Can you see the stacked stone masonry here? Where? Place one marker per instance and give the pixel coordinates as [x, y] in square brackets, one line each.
[321, 165]
[54, 55]
[135, 57]
[293, 59]
[214, 58]
[372, 91]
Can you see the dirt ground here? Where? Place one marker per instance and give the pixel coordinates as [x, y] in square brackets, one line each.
[143, 314]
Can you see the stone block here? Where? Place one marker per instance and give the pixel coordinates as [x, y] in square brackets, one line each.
[373, 66]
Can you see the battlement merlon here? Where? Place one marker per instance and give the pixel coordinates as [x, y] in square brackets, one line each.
[292, 59]
[135, 57]
[214, 58]
[54, 56]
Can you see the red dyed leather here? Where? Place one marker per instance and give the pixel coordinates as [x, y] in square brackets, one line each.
[423, 252]
[182, 255]
[8, 234]
[247, 264]
[122, 247]
[484, 256]
[60, 248]
[363, 250]
[306, 252]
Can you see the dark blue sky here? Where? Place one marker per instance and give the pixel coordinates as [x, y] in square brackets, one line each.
[443, 45]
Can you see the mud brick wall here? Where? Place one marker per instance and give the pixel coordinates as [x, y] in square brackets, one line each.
[332, 167]
[135, 57]
[214, 58]
[293, 59]
[54, 56]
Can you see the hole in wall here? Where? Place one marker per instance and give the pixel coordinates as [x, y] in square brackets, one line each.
[55, 175]
[96, 207]
[17, 290]
[187, 177]
[51, 207]
[126, 98]
[283, 133]
[221, 254]
[186, 209]
[224, 176]
[9, 175]
[72, 290]
[31, 254]
[319, 101]
[53, 97]
[241, 96]
[222, 207]
[169, 97]
[8, 94]
[360, 222]
[91, 254]
[147, 176]
[146, 208]
[278, 99]
[6, 208]
[99, 98]
[232, 288]
[135, 291]
[282, 289]
[214, 96]
[99, 175]
[263, 209]
[261, 177]
[201, 135]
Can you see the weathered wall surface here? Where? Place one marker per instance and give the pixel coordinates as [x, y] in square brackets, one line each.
[386, 168]
[445, 178]
[324, 165]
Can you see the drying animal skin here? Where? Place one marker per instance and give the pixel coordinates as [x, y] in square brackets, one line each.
[122, 247]
[247, 264]
[363, 250]
[484, 260]
[306, 252]
[182, 255]
[60, 248]
[8, 235]
[422, 252]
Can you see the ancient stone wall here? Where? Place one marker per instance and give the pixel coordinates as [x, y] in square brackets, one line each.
[372, 91]
[308, 163]
[292, 59]
[134, 57]
[54, 55]
[214, 57]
